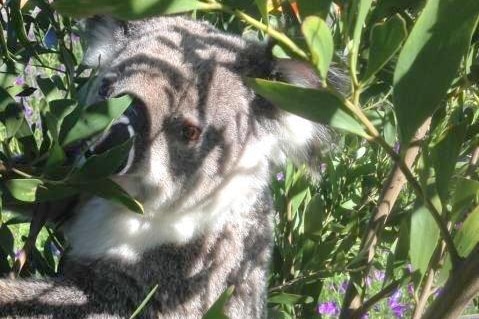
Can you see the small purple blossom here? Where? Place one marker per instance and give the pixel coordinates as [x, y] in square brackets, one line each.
[329, 308]
[342, 287]
[410, 289]
[379, 275]
[395, 304]
[19, 81]
[280, 176]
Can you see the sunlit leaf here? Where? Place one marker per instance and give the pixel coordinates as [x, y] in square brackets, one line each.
[216, 311]
[314, 104]
[96, 118]
[429, 60]
[386, 39]
[127, 9]
[320, 42]
[468, 236]
[23, 189]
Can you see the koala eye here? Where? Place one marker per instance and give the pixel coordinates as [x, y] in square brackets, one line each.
[190, 132]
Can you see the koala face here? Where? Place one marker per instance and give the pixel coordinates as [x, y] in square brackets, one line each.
[205, 143]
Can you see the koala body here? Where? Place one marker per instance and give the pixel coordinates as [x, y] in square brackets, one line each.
[205, 147]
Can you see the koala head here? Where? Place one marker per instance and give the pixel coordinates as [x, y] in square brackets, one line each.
[204, 141]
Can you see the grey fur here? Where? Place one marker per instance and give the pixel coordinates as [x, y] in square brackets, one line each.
[182, 71]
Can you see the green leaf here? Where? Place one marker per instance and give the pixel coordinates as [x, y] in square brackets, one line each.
[263, 9]
[23, 189]
[314, 7]
[424, 237]
[362, 9]
[108, 189]
[386, 39]
[466, 192]
[468, 236]
[314, 216]
[319, 105]
[216, 311]
[96, 118]
[444, 154]
[104, 164]
[127, 9]
[320, 43]
[289, 299]
[49, 89]
[57, 111]
[144, 302]
[12, 117]
[429, 60]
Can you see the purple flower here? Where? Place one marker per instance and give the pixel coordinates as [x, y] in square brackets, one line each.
[410, 289]
[365, 316]
[280, 176]
[328, 308]
[19, 81]
[395, 304]
[379, 275]
[342, 287]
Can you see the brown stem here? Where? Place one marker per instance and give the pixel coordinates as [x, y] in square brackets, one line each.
[460, 288]
[386, 291]
[425, 293]
[393, 186]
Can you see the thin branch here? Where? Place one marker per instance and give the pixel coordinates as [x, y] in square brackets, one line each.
[376, 137]
[460, 288]
[391, 190]
[278, 36]
[385, 292]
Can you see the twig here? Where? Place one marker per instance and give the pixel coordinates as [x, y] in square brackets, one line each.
[392, 188]
[278, 36]
[386, 291]
[460, 288]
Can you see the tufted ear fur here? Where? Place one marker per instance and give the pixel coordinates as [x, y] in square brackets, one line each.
[301, 140]
[105, 36]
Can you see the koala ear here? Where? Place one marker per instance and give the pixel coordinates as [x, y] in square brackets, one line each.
[301, 140]
[302, 74]
[105, 36]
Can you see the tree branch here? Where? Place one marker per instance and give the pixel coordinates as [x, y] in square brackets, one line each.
[392, 188]
[460, 288]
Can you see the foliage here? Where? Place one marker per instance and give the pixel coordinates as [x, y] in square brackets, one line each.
[362, 236]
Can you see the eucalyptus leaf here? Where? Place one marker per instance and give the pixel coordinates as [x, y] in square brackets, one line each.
[127, 9]
[424, 236]
[289, 299]
[24, 189]
[468, 235]
[444, 154]
[104, 164]
[320, 43]
[319, 105]
[429, 60]
[108, 189]
[386, 39]
[216, 311]
[95, 119]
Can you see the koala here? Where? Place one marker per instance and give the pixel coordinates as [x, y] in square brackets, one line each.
[205, 149]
